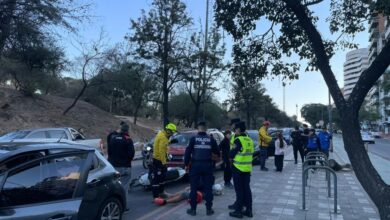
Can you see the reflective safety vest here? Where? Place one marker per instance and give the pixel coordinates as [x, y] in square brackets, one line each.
[243, 160]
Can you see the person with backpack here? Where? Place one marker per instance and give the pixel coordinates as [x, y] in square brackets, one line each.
[297, 144]
[280, 147]
[121, 153]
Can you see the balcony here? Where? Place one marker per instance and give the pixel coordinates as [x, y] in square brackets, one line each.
[387, 32]
[373, 22]
[373, 35]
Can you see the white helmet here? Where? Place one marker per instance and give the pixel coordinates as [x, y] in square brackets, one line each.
[217, 189]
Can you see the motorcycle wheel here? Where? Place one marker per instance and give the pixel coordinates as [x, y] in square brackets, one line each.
[145, 163]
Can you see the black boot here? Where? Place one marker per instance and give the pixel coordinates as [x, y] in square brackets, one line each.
[248, 213]
[209, 212]
[236, 214]
[232, 207]
[191, 212]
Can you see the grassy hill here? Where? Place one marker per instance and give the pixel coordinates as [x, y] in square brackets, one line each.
[20, 112]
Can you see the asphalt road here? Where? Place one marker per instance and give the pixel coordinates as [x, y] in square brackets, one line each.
[140, 200]
[381, 148]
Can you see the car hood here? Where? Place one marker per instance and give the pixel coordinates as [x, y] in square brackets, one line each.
[177, 149]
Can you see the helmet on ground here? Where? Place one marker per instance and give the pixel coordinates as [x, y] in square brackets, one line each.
[171, 127]
[199, 197]
[159, 201]
[217, 189]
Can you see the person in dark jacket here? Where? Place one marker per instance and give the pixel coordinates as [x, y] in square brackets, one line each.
[305, 135]
[113, 133]
[121, 153]
[198, 161]
[297, 144]
[225, 148]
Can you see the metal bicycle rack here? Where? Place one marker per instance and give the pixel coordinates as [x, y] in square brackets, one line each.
[324, 165]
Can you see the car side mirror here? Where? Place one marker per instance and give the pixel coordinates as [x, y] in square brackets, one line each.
[79, 137]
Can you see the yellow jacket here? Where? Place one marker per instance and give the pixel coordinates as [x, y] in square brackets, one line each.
[264, 137]
[160, 147]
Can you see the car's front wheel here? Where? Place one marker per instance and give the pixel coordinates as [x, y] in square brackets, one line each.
[111, 209]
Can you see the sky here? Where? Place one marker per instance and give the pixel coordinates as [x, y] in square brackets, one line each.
[114, 17]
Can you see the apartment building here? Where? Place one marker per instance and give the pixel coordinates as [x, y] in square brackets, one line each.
[356, 62]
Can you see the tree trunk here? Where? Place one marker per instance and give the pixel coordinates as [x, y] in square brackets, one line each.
[135, 114]
[248, 115]
[165, 115]
[367, 175]
[76, 99]
[196, 114]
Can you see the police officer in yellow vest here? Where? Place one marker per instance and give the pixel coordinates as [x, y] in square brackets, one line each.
[242, 155]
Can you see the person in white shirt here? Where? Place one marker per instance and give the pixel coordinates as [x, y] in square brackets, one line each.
[280, 147]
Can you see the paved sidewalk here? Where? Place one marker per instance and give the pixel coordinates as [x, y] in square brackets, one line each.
[279, 196]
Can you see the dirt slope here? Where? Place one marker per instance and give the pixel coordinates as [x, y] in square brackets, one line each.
[19, 112]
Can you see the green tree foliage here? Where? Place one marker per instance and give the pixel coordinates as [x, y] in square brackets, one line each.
[125, 88]
[292, 31]
[251, 102]
[29, 55]
[158, 37]
[215, 116]
[315, 112]
[200, 83]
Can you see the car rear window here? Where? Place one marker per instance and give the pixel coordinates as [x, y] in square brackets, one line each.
[14, 135]
[183, 139]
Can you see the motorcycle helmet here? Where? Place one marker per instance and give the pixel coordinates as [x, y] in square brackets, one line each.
[199, 197]
[217, 189]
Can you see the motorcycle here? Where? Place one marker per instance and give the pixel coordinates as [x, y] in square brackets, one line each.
[173, 174]
[147, 156]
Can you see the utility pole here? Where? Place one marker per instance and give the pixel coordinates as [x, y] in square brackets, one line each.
[205, 60]
[296, 113]
[284, 97]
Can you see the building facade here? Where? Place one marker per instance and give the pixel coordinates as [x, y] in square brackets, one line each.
[356, 62]
[378, 99]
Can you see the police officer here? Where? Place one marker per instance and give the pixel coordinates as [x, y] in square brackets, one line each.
[199, 163]
[242, 155]
[159, 168]
[233, 123]
[121, 153]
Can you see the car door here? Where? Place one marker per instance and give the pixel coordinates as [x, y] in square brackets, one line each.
[48, 188]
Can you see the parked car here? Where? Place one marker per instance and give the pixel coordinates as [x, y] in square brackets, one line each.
[367, 137]
[58, 181]
[376, 134]
[180, 142]
[69, 134]
[287, 135]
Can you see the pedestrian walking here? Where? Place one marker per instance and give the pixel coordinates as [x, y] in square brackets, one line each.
[198, 162]
[225, 148]
[242, 155]
[325, 141]
[120, 154]
[297, 144]
[280, 147]
[305, 135]
[159, 169]
[313, 143]
[264, 140]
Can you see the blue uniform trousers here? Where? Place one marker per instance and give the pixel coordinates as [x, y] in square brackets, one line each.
[201, 176]
[243, 190]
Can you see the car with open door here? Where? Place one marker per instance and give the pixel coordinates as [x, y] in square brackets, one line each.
[58, 181]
